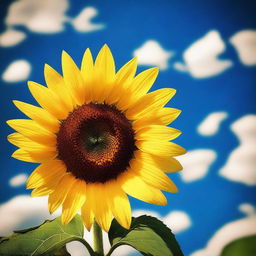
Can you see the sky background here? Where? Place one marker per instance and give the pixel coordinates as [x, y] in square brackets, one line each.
[205, 49]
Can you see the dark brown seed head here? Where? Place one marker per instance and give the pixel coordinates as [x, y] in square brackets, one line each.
[96, 142]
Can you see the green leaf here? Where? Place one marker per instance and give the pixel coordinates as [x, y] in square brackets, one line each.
[245, 246]
[147, 235]
[46, 239]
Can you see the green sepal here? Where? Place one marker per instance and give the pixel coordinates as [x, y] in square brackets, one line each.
[245, 246]
[46, 239]
[148, 235]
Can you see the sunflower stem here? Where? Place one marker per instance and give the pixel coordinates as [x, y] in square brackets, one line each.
[97, 239]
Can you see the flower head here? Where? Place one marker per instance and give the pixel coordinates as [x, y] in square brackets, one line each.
[98, 136]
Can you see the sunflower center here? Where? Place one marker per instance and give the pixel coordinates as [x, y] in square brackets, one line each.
[96, 142]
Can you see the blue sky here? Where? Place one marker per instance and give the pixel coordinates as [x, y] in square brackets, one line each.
[205, 49]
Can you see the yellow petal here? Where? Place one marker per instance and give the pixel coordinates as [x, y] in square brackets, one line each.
[44, 173]
[58, 196]
[30, 151]
[123, 79]
[34, 156]
[120, 205]
[126, 74]
[56, 83]
[41, 116]
[100, 203]
[150, 102]
[164, 163]
[73, 78]
[23, 142]
[74, 201]
[157, 132]
[104, 72]
[87, 214]
[138, 88]
[151, 174]
[23, 155]
[87, 74]
[45, 189]
[42, 191]
[133, 185]
[162, 116]
[143, 82]
[47, 100]
[33, 131]
[160, 148]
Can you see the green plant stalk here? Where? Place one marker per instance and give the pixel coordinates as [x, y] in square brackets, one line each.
[97, 239]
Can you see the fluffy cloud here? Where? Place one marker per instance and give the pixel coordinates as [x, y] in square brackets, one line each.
[210, 125]
[228, 233]
[245, 44]
[247, 209]
[151, 53]
[18, 180]
[44, 17]
[196, 164]
[17, 71]
[83, 21]
[76, 248]
[23, 212]
[201, 58]
[240, 166]
[38, 16]
[177, 221]
[11, 37]
[180, 67]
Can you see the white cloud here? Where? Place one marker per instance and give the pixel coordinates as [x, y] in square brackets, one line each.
[241, 163]
[151, 53]
[210, 125]
[196, 164]
[44, 17]
[23, 212]
[201, 58]
[228, 233]
[76, 248]
[11, 37]
[177, 221]
[17, 71]
[38, 16]
[83, 21]
[180, 67]
[245, 44]
[247, 209]
[18, 180]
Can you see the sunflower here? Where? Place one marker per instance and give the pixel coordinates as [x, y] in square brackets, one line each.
[98, 136]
